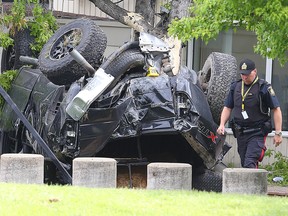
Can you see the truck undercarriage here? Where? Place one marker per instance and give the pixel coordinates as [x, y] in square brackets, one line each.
[130, 108]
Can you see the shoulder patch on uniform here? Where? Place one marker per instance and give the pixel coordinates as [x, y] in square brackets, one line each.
[271, 91]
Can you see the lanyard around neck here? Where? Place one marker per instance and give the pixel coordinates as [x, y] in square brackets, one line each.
[245, 94]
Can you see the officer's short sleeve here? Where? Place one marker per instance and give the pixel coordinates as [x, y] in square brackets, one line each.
[269, 97]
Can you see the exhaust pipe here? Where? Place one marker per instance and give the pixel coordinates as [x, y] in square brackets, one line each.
[82, 61]
[96, 85]
[29, 60]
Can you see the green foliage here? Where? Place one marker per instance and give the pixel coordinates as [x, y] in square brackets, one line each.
[231, 165]
[279, 168]
[42, 27]
[5, 81]
[42, 24]
[5, 40]
[167, 5]
[267, 18]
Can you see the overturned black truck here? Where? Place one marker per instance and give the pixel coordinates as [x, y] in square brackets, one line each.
[128, 106]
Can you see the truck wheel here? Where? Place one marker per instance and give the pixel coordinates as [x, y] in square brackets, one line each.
[215, 78]
[125, 62]
[7, 144]
[22, 41]
[207, 181]
[83, 35]
[3, 142]
[11, 56]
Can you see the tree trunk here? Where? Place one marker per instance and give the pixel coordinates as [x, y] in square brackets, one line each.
[179, 9]
[147, 9]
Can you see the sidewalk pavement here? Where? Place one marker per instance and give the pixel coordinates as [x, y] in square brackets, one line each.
[277, 190]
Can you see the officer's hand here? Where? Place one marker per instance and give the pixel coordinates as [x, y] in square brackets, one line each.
[221, 130]
[277, 140]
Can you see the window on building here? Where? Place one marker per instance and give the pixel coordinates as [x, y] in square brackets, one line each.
[280, 86]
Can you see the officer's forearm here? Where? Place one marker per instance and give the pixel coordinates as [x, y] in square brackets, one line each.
[225, 115]
[277, 116]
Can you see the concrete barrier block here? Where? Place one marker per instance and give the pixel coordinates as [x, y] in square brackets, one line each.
[22, 168]
[244, 181]
[169, 176]
[94, 172]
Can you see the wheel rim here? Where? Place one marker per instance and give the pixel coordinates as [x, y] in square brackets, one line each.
[64, 43]
[10, 59]
[29, 137]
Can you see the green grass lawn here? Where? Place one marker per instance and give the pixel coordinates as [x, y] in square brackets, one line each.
[20, 200]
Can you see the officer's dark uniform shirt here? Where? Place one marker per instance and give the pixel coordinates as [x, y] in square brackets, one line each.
[256, 115]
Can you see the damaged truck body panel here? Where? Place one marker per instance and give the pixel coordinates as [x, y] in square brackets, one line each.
[160, 105]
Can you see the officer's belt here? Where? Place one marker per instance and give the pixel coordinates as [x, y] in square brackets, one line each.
[245, 130]
[251, 130]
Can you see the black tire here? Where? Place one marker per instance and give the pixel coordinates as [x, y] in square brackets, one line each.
[3, 142]
[125, 62]
[11, 56]
[8, 144]
[54, 59]
[207, 181]
[22, 41]
[50, 173]
[216, 76]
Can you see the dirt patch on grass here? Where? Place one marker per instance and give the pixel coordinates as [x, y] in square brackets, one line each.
[138, 177]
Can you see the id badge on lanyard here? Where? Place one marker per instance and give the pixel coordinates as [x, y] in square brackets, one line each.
[244, 113]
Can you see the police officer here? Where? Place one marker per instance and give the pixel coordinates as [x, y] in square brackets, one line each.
[250, 101]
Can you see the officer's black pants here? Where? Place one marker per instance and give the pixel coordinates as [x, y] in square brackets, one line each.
[251, 149]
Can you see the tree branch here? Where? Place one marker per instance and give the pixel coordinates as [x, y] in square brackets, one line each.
[134, 20]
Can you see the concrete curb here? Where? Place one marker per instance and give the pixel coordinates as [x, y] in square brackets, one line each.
[277, 190]
[22, 168]
[169, 176]
[94, 172]
[244, 181]
[102, 173]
